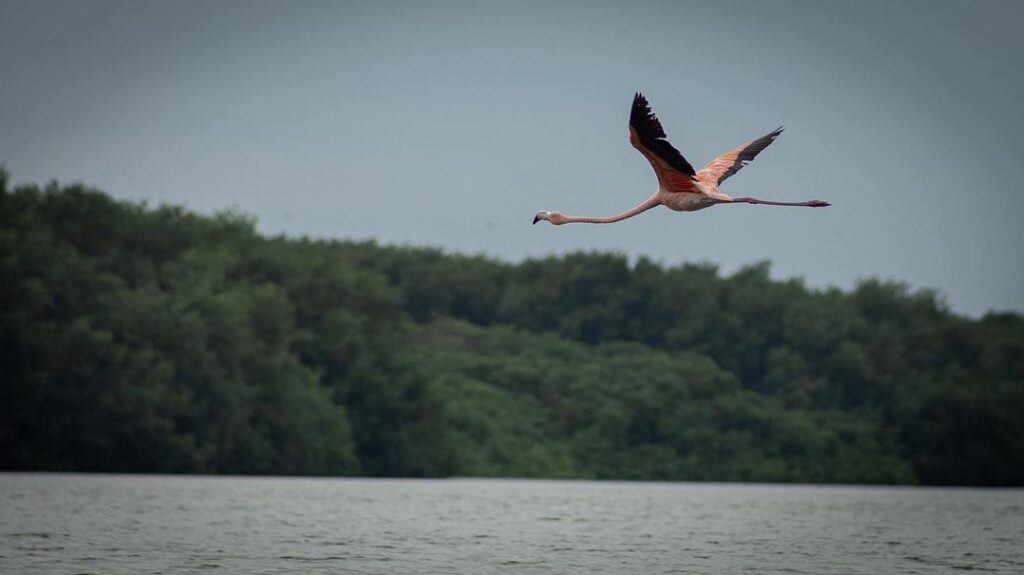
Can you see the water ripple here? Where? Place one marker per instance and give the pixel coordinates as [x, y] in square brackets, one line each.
[136, 524]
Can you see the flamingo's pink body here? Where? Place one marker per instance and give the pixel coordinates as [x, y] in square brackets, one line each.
[680, 187]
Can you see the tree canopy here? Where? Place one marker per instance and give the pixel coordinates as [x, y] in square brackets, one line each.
[144, 339]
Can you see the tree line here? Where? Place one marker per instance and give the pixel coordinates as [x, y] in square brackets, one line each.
[142, 339]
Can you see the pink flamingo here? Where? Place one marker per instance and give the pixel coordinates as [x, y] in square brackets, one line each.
[680, 188]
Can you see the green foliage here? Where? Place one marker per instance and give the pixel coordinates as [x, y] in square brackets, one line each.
[154, 339]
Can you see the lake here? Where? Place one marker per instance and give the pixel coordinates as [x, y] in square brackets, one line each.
[57, 523]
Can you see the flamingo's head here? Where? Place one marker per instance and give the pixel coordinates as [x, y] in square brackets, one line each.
[553, 217]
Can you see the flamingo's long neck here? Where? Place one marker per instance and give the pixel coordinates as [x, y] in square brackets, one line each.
[648, 204]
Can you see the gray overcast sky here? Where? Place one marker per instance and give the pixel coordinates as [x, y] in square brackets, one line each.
[451, 123]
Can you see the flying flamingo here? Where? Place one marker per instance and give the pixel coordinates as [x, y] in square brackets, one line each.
[680, 188]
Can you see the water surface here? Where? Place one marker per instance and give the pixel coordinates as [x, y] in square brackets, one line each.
[174, 524]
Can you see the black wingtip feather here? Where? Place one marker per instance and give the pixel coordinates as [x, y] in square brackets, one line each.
[750, 152]
[642, 118]
[652, 135]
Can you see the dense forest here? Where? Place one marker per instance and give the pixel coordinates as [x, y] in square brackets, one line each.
[139, 339]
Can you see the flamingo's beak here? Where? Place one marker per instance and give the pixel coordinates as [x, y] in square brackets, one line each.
[536, 219]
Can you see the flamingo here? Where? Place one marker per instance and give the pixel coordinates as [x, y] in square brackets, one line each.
[680, 188]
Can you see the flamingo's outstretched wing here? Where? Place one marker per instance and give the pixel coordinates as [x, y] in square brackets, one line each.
[729, 163]
[646, 134]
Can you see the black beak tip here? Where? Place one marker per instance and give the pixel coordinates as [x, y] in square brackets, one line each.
[536, 219]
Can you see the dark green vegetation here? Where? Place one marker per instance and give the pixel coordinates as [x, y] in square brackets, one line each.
[157, 340]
